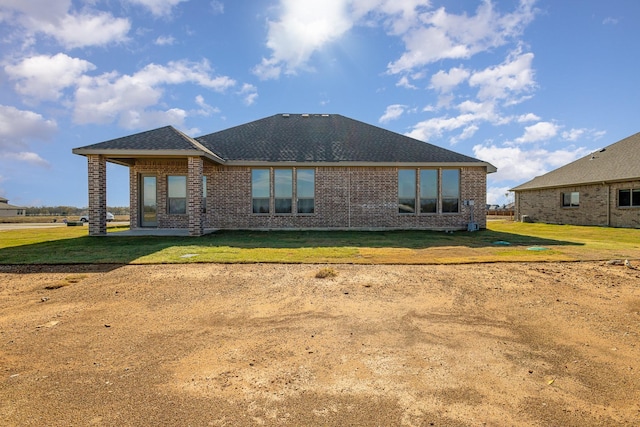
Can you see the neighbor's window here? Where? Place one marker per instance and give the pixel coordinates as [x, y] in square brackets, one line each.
[429, 191]
[450, 190]
[177, 194]
[571, 200]
[260, 186]
[305, 190]
[629, 198]
[283, 191]
[406, 191]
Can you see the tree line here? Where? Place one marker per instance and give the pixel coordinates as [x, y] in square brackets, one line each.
[70, 210]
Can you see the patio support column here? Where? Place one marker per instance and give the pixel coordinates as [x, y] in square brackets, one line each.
[194, 196]
[97, 195]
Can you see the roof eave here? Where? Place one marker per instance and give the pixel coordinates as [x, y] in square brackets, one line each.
[261, 163]
[113, 154]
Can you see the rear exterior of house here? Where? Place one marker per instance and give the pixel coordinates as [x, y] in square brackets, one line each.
[601, 189]
[291, 172]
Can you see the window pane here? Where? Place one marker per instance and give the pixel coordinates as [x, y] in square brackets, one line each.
[204, 193]
[450, 190]
[429, 191]
[283, 180]
[305, 183]
[305, 206]
[451, 183]
[177, 194]
[406, 191]
[635, 200]
[449, 205]
[566, 199]
[283, 205]
[624, 197]
[260, 183]
[428, 205]
[177, 186]
[260, 205]
[177, 205]
[575, 199]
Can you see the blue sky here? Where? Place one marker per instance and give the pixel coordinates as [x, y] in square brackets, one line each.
[526, 85]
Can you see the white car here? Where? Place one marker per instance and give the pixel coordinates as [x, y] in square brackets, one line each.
[85, 218]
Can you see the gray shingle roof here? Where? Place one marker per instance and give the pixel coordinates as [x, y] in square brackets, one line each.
[164, 138]
[317, 138]
[322, 138]
[617, 162]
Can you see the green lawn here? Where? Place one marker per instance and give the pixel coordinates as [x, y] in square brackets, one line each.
[502, 241]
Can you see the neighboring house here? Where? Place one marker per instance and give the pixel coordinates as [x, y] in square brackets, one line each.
[9, 210]
[602, 189]
[289, 171]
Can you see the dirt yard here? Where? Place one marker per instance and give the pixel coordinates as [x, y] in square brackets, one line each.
[548, 344]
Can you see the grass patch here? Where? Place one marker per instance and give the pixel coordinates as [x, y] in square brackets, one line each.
[72, 245]
[326, 273]
[65, 282]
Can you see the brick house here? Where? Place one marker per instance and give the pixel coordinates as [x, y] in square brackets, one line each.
[600, 189]
[289, 171]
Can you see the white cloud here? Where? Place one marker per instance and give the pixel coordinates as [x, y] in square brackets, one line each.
[205, 109]
[444, 81]
[541, 131]
[404, 82]
[499, 195]
[110, 96]
[27, 157]
[249, 92]
[448, 36]
[509, 79]
[393, 112]
[520, 165]
[304, 28]
[428, 129]
[70, 28]
[158, 7]
[529, 117]
[165, 40]
[17, 127]
[217, 7]
[44, 77]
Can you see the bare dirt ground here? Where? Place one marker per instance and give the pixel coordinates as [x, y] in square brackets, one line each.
[548, 344]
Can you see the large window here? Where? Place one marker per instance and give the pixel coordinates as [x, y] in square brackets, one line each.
[260, 187]
[283, 192]
[177, 194]
[305, 190]
[629, 198]
[571, 200]
[429, 191]
[406, 191]
[450, 190]
[432, 184]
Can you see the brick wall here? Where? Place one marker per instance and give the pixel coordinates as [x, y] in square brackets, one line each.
[353, 197]
[97, 172]
[598, 206]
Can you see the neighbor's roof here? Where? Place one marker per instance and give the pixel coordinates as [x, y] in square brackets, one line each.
[289, 138]
[617, 162]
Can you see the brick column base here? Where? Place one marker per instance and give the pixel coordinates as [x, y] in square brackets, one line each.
[97, 195]
[194, 196]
